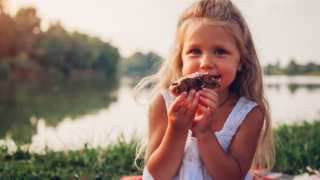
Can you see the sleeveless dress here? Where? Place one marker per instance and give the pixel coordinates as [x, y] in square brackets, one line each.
[192, 167]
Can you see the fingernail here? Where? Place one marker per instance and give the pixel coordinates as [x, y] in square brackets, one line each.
[204, 89]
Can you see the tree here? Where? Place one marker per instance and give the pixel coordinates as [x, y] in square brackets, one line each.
[16, 39]
[22, 43]
[27, 26]
[293, 68]
[7, 36]
[51, 47]
[139, 64]
[273, 69]
[311, 67]
[57, 47]
[108, 57]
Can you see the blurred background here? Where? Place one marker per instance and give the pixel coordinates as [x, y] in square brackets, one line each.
[67, 68]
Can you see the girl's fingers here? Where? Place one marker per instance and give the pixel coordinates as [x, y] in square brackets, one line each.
[209, 93]
[177, 103]
[185, 105]
[204, 110]
[192, 109]
[208, 103]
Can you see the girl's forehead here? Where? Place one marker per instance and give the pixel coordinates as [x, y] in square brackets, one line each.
[197, 29]
[193, 26]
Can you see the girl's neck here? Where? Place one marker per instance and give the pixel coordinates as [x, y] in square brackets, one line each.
[223, 96]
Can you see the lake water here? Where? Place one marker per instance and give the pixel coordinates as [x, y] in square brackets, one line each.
[66, 114]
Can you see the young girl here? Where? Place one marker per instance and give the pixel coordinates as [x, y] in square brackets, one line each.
[209, 134]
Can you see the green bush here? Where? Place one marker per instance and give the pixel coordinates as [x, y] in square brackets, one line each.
[297, 146]
[112, 162]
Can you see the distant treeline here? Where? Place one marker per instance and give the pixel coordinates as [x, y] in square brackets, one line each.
[293, 69]
[140, 65]
[25, 48]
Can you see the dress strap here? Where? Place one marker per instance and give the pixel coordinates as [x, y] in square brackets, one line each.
[168, 98]
[239, 112]
[235, 119]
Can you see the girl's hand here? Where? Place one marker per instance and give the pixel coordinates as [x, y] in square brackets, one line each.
[183, 110]
[207, 110]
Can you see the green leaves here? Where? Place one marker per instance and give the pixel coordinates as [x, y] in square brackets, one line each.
[55, 48]
[292, 69]
[112, 162]
[140, 64]
[297, 146]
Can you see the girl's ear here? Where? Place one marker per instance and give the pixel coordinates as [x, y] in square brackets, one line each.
[239, 67]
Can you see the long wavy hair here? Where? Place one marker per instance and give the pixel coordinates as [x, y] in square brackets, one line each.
[248, 82]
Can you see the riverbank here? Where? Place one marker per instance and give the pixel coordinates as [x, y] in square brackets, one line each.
[112, 162]
[297, 146]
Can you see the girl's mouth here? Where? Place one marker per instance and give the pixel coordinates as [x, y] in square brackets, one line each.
[217, 78]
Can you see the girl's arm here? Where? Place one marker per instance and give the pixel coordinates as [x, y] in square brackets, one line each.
[235, 163]
[167, 135]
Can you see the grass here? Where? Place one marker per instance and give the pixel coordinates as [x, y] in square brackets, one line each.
[297, 146]
[112, 162]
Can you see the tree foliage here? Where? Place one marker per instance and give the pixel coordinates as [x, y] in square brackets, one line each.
[140, 65]
[293, 69]
[25, 47]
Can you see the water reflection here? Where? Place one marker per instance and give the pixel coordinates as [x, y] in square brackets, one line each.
[311, 87]
[68, 113]
[293, 87]
[275, 86]
[293, 99]
[23, 103]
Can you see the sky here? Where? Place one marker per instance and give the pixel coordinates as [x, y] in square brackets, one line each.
[282, 29]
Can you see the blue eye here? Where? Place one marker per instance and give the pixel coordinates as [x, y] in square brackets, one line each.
[220, 52]
[195, 51]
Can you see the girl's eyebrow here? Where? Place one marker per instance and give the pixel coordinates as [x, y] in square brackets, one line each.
[215, 46]
[192, 45]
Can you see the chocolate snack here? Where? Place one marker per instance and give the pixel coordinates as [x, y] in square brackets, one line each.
[194, 81]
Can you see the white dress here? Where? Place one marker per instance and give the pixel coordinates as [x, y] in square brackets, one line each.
[192, 167]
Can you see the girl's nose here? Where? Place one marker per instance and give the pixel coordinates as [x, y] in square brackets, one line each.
[207, 62]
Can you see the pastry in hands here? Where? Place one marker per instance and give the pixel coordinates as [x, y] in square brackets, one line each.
[194, 81]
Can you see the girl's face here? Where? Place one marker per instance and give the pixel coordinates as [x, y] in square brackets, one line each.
[212, 49]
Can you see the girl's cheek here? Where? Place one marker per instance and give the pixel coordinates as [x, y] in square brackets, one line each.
[189, 68]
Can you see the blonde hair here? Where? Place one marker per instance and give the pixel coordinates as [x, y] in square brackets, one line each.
[248, 82]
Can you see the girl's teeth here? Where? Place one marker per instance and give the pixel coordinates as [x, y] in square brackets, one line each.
[218, 78]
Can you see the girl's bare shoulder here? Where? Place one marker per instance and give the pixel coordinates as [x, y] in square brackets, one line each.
[158, 122]
[251, 127]
[157, 106]
[158, 119]
[255, 118]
